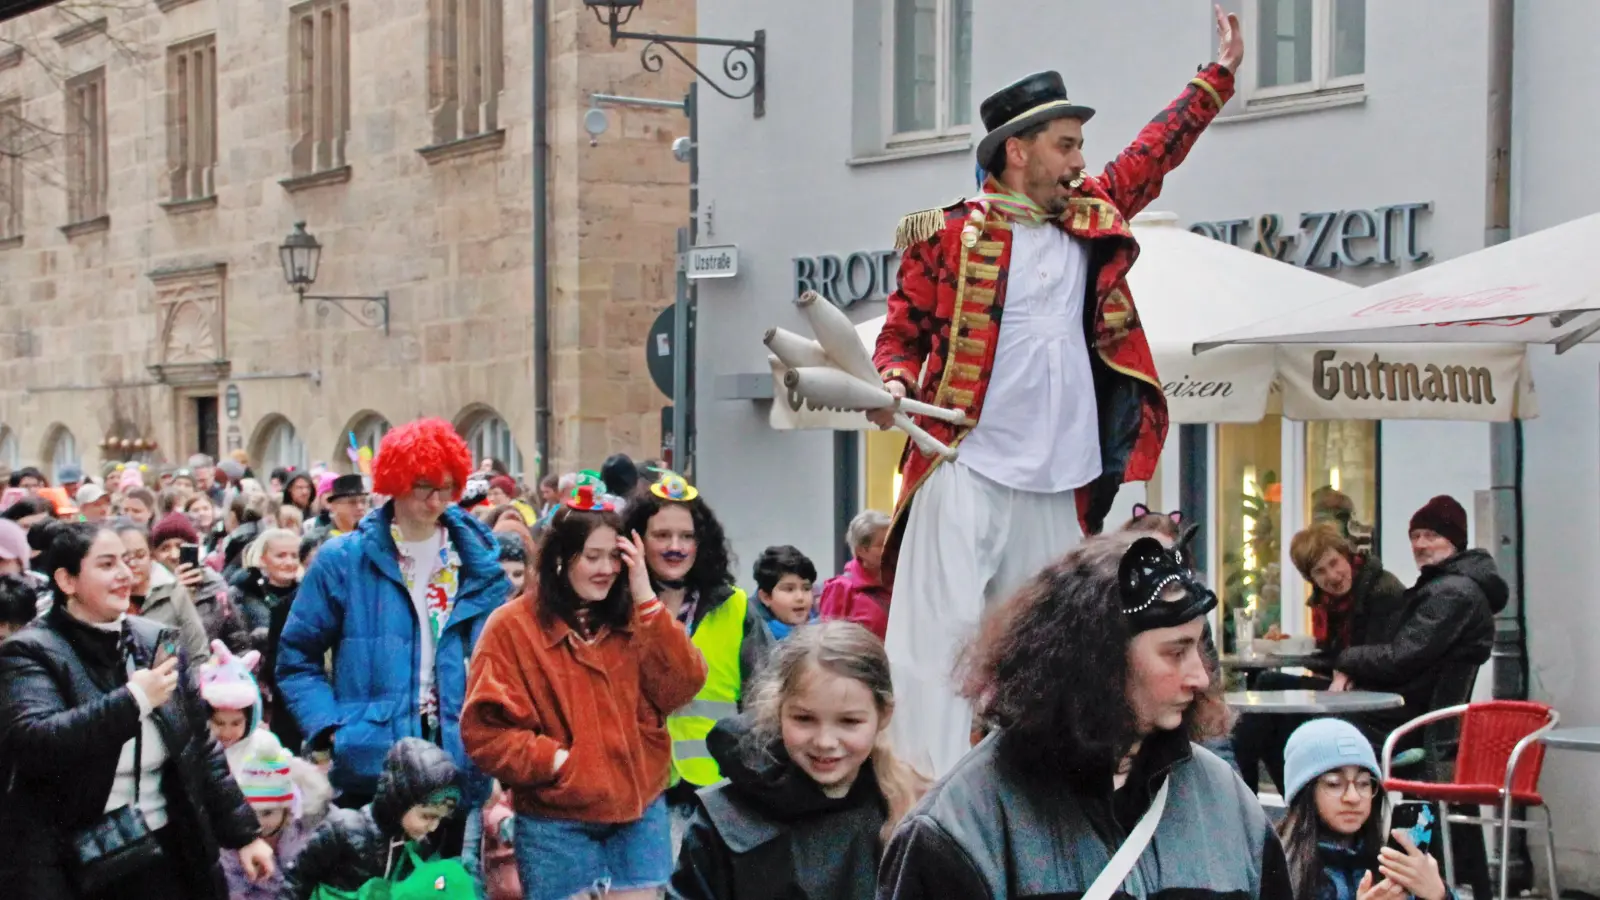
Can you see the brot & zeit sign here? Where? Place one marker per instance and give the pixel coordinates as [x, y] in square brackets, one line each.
[1350, 238]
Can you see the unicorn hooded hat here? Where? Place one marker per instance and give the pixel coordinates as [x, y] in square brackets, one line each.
[229, 682]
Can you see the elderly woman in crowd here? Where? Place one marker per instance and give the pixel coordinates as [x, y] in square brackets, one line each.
[859, 594]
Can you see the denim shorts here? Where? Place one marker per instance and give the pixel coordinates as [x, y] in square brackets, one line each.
[561, 858]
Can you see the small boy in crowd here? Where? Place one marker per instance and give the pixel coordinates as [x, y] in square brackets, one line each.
[784, 580]
[18, 604]
[418, 789]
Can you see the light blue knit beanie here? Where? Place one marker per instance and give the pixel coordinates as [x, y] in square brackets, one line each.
[1321, 746]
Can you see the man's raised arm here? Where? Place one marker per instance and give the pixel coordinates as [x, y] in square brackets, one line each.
[1134, 178]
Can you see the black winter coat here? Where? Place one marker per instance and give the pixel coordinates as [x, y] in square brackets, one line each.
[1446, 625]
[770, 832]
[65, 714]
[352, 847]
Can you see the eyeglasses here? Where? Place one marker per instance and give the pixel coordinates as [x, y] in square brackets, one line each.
[1337, 785]
[425, 491]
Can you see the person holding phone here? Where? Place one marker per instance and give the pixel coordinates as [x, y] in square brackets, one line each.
[1333, 832]
[175, 544]
[102, 725]
[157, 595]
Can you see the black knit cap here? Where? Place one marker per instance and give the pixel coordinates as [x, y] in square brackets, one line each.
[1445, 517]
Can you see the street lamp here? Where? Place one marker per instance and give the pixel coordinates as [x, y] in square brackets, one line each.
[301, 254]
[744, 61]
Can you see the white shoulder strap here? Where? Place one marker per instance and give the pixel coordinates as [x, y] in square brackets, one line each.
[1116, 871]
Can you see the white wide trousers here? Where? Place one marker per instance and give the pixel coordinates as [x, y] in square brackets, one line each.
[969, 542]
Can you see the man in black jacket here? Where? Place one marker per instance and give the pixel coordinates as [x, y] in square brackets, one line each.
[1445, 629]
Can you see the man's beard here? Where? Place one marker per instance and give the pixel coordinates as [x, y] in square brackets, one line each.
[1046, 192]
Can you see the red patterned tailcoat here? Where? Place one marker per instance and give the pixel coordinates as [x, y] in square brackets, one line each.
[939, 335]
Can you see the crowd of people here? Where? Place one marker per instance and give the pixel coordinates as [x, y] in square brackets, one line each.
[564, 692]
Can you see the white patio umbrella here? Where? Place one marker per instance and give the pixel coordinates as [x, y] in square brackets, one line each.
[1542, 288]
[1187, 287]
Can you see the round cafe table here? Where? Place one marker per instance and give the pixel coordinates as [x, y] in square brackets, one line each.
[1583, 740]
[1330, 703]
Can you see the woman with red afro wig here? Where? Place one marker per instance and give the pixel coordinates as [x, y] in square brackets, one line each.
[425, 450]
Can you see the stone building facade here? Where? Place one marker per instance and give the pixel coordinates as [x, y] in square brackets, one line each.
[155, 156]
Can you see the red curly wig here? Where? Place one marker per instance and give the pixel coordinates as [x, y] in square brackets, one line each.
[425, 450]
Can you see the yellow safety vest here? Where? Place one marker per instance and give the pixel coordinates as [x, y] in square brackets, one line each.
[719, 637]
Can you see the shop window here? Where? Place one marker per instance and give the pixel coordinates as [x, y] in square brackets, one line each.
[881, 487]
[1249, 492]
[10, 452]
[62, 451]
[1342, 476]
[931, 78]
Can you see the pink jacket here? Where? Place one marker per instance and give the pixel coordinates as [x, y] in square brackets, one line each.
[856, 597]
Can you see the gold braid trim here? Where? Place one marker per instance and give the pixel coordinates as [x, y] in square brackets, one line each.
[1206, 86]
[918, 227]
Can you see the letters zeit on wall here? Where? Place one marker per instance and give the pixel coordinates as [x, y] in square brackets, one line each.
[1352, 238]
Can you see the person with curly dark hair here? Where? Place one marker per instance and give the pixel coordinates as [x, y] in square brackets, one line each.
[690, 565]
[1090, 674]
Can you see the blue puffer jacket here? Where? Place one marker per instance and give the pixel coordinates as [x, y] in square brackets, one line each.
[354, 601]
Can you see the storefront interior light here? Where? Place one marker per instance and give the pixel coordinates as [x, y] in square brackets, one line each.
[1247, 551]
[897, 482]
[1333, 478]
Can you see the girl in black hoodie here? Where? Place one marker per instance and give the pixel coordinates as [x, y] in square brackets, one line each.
[813, 788]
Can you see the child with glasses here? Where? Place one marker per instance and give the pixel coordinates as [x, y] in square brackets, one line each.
[1333, 833]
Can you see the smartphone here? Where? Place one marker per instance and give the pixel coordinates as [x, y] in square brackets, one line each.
[1418, 820]
[165, 650]
[189, 555]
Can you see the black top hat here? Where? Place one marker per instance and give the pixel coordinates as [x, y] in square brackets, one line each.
[347, 486]
[1017, 107]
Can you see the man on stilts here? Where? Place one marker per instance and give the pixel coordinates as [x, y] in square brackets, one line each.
[1014, 308]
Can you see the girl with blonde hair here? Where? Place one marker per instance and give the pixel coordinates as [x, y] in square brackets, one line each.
[814, 789]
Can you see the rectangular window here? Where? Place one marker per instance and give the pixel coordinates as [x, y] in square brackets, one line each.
[192, 119]
[466, 68]
[931, 63]
[12, 148]
[319, 85]
[86, 146]
[1307, 46]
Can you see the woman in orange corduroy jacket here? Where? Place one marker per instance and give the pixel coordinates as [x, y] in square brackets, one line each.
[567, 702]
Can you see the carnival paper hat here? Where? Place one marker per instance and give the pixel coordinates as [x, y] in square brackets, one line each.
[674, 487]
[1039, 98]
[587, 499]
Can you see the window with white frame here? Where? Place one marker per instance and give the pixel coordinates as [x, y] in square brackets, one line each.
[63, 452]
[10, 451]
[1308, 46]
[930, 68]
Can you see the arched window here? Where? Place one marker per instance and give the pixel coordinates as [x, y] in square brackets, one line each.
[10, 452]
[278, 446]
[369, 428]
[62, 452]
[488, 435]
[370, 432]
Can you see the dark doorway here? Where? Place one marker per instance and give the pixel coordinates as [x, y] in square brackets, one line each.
[205, 425]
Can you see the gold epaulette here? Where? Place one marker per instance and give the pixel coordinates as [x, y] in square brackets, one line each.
[921, 225]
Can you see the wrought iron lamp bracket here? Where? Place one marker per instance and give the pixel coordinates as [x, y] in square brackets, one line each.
[371, 312]
[744, 63]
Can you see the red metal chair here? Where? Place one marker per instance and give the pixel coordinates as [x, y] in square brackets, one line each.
[1498, 764]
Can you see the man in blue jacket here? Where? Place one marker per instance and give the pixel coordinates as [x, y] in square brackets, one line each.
[400, 602]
